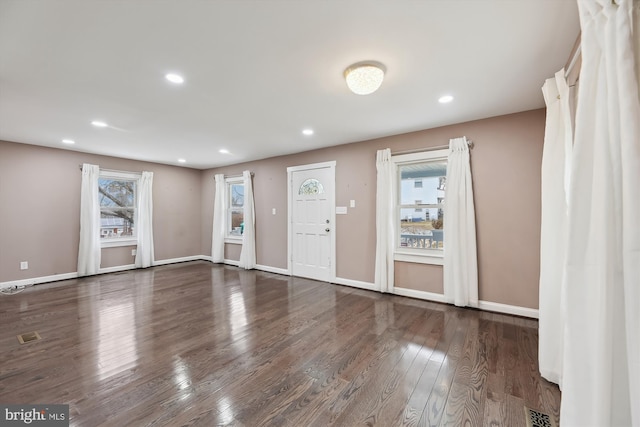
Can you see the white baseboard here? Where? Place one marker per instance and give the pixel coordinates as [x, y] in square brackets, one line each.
[355, 283]
[482, 305]
[508, 309]
[117, 268]
[275, 270]
[412, 293]
[260, 267]
[74, 275]
[181, 259]
[37, 280]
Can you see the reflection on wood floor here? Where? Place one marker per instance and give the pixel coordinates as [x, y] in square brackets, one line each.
[204, 344]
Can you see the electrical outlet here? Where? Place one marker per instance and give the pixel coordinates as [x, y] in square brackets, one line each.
[133, 252]
[24, 265]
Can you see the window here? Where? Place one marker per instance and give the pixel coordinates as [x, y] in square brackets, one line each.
[234, 201]
[420, 215]
[311, 186]
[118, 197]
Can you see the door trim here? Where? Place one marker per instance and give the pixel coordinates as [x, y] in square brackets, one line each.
[332, 215]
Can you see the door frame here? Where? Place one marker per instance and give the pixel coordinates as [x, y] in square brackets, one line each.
[332, 213]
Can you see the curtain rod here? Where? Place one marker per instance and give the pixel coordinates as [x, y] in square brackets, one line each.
[420, 150]
[140, 173]
[572, 62]
[574, 57]
[236, 175]
[114, 170]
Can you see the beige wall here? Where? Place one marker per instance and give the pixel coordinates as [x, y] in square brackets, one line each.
[40, 210]
[505, 164]
[39, 214]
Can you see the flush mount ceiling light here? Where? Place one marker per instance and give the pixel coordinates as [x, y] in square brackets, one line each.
[223, 151]
[307, 132]
[68, 141]
[364, 78]
[182, 161]
[98, 123]
[174, 78]
[445, 99]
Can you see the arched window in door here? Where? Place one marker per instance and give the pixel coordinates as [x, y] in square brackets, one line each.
[311, 186]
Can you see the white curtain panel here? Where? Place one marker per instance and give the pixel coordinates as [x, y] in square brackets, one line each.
[144, 224]
[460, 268]
[248, 252]
[556, 168]
[219, 214]
[385, 228]
[89, 249]
[601, 367]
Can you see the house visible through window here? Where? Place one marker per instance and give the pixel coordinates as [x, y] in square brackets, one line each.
[420, 215]
[235, 207]
[117, 195]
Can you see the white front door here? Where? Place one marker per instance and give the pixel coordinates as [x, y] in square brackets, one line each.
[311, 221]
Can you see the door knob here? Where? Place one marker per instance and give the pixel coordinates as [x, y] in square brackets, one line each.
[327, 230]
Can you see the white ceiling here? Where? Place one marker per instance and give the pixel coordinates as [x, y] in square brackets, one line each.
[258, 72]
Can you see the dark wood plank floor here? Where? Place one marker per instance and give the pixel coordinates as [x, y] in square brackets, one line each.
[203, 344]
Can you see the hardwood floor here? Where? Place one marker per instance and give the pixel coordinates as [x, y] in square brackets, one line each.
[203, 344]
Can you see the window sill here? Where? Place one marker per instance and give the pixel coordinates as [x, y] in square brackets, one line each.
[233, 240]
[431, 257]
[113, 243]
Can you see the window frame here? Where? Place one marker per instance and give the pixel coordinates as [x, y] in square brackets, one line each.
[124, 176]
[414, 255]
[228, 183]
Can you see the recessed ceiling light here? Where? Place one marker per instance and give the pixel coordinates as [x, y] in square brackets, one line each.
[174, 78]
[307, 132]
[182, 161]
[223, 151]
[68, 141]
[445, 99]
[98, 123]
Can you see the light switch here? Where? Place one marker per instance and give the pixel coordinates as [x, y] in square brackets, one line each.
[273, 211]
[352, 203]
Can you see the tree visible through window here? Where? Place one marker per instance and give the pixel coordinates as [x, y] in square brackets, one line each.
[235, 207]
[117, 198]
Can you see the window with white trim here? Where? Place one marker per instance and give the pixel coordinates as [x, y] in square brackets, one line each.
[419, 213]
[234, 205]
[118, 198]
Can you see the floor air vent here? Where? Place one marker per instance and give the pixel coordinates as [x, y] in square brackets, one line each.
[538, 419]
[28, 337]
